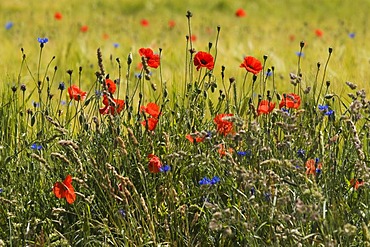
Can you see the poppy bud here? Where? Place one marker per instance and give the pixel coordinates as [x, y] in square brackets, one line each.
[231, 79]
[23, 87]
[69, 72]
[209, 45]
[14, 89]
[330, 50]
[189, 14]
[318, 65]
[265, 57]
[301, 44]
[327, 83]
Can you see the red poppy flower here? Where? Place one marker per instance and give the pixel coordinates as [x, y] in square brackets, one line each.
[356, 183]
[240, 13]
[110, 107]
[290, 101]
[58, 16]
[193, 38]
[84, 28]
[292, 37]
[204, 60]
[151, 58]
[312, 167]
[152, 109]
[110, 85]
[144, 22]
[265, 107]
[152, 123]
[252, 65]
[196, 137]
[171, 24]
[224, 127]
[154, 163]
[319, 32]
[65, 190]
[222, 151]
[105, 36]
[76, 93]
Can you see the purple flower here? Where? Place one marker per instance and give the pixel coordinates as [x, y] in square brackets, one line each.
[61, 86]
[116, 45]
[299, 54]
[215, 180]
[323, 107]
[122, 212]
[42, 40]
[1, 190]
[352, 35]
[9, 25]
[36, 147]
[329, 113]
[165, 168]
[301, 153]
[204, 181]
[268, 73]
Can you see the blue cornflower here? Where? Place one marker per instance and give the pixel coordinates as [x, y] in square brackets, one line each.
[301, 153]
[98, 93]
[165, 168]
[317, 160]
[268, 73]
[247, 153]
[329, 113]
[253, 191]
[352, 35]
[323, 107]
[204, 181]
[36, 147]
[116, 45]
[267, 196]
[42, 40]
[35, 104]
[63, 102]
[61, 86]
[1, 190]
[122, 212]
[299, 54]
[318, 171]
[138, 75]
[215, 180]
[9, 25]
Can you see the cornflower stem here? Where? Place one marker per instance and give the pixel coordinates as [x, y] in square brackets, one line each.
[323, 77]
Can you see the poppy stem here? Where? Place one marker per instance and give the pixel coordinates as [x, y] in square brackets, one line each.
[323, 77]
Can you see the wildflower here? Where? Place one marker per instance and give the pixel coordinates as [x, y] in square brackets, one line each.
[299, 54]
[110, 85]
[9, 25]
[268, 73]
[224, 127]
[150, 123]
[195, 137]
[240, 13]
[65, 190]
[203, 60]
[352, 35]
[171, 24]
[144, 22]
[265, 107]
[42, 40]
[329, 113]
[152, 59]
[1, 190]
[105, 36]
[76, 93]
[267, 196]
[165, 168]
[356, 183]
[152, 109]
[301, 153]
[222, 151]
[319, 33]
[292, 37]
[323, 107]
[116, 45]
[205, 181]
[23, 87]
[252, 65]
[247, 153]
[193, 38]
[290, 101]
[84, 28]
[313, 167]
[61, 86]
[36, 147]
[154, 163]
[215, 180]
[122, 212]
[113, 108]
[35, 104]
[58, 16]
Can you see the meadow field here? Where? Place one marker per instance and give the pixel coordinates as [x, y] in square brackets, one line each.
[193, 123]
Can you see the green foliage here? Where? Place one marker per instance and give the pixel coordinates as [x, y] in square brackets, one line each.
[268, 195]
